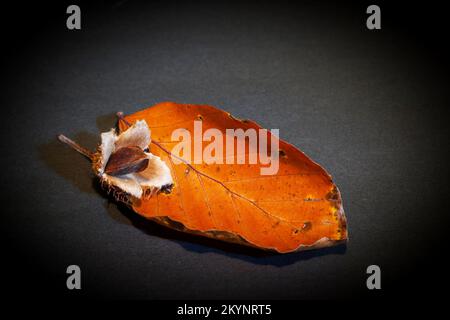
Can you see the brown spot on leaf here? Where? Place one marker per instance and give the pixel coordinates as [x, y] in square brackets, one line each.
[333, 195]
[306, 226]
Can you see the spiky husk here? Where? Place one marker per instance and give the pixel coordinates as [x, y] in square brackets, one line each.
[117, 193]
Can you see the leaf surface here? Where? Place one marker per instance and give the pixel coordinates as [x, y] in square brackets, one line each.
[296, 209]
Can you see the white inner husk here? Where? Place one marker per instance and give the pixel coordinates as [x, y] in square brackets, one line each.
[156, 175]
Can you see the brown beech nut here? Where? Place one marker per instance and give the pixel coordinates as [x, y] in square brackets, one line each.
[126, 160]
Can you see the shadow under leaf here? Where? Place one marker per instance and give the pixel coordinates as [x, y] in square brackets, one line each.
[207, 245]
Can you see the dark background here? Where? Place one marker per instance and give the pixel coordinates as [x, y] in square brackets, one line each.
[370, 106]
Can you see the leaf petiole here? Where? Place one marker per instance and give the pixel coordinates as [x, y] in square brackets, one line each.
[85, 152]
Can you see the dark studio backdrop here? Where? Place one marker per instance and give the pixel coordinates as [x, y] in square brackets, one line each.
[370, 106]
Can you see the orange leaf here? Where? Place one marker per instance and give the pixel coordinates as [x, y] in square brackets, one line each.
[296, 209]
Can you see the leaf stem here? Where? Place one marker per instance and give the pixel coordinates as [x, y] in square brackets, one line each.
[85, 152]
[121, 117]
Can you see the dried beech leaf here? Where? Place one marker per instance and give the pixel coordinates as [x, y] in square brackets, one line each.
[296, 209]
